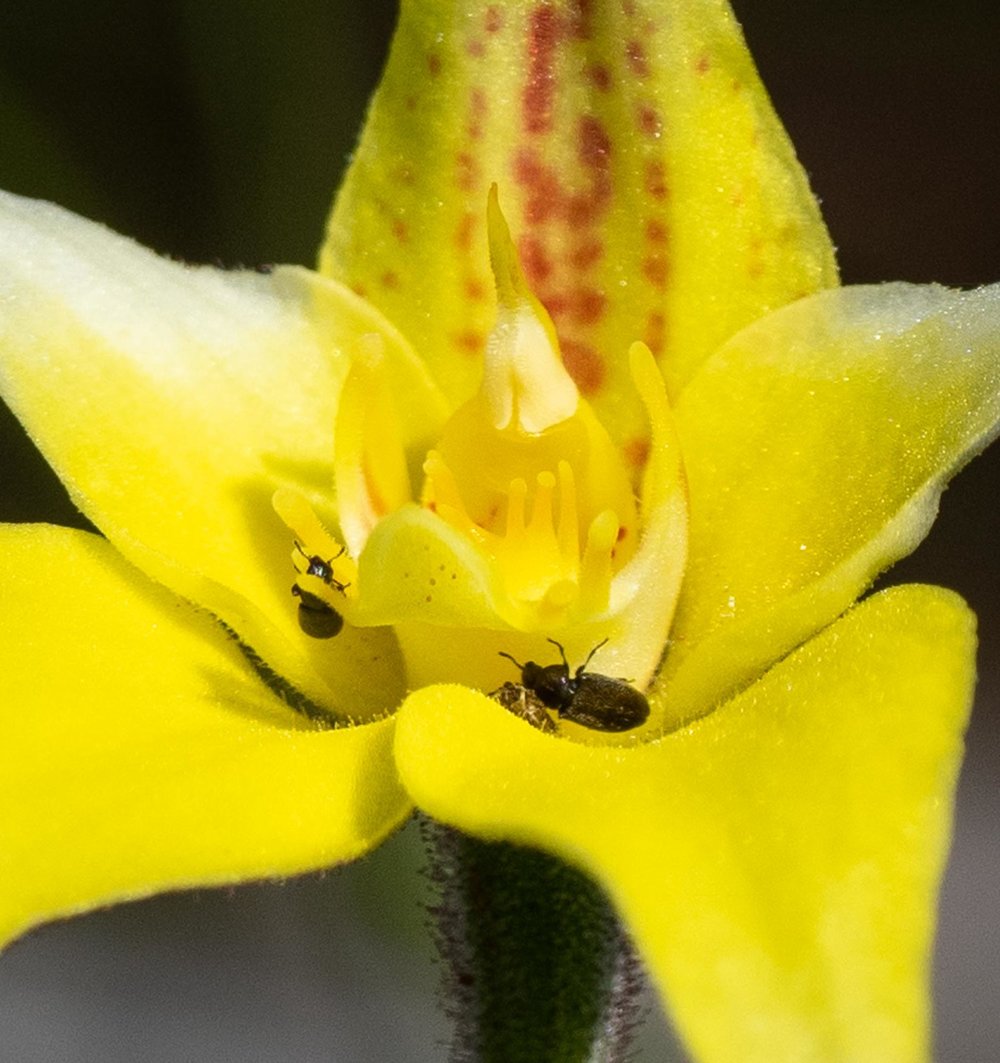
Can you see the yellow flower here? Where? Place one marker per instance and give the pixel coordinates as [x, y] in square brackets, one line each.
[774, 834]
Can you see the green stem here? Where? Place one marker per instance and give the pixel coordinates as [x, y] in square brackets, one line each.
[538, 969]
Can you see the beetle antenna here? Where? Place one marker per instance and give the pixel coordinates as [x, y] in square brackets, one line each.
[500, 653]
[583, 666]
[559, 647]
[309, 557]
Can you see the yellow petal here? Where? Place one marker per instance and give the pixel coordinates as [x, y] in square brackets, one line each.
[140, 752]
[173, 401]
[645, 592]
[383, 430]
[817, 443]
[778, 861]
[650, 188]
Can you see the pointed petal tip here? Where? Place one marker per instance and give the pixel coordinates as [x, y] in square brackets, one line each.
[508, 276]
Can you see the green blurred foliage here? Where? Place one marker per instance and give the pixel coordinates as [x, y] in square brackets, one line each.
[892, 106]
[205, 130]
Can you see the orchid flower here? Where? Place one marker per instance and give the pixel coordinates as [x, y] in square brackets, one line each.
[575, 367]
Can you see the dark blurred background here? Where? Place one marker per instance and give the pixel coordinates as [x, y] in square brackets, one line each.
[216, 131]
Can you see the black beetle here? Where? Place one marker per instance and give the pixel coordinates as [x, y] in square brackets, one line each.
[317, 617]
[588, 698]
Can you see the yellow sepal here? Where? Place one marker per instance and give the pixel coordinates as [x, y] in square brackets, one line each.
[817, 443]
[141, 752]
[172, 401]
[778, 861]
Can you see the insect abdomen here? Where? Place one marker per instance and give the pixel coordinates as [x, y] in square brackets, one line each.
[605, 704]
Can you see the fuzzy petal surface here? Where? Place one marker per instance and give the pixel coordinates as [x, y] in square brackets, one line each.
[173, 401]
[817, 443]
[651, 190]
[141, 752]
[778, 861]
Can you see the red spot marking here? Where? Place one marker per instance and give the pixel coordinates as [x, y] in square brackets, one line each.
[557, 304]
[545, 198]
[469, 342]
[587, 305]
[411, 103]
[527, 167]
[434, 64]
[628, 8]
[656, 231]
[654, 268]
[580, 26]
[475, 289]
[655, 335]
[476, 48]
[541, 206]
[584, 365]
[544, 33]
[648, 120]
[359, 289]
[656, 181]
[595, 144]
[494, 18]
[600, 77]
[535, 260]
[467, 171]
[389, 279]
[586, 255]
[582, 210]
[463, 233]
[543, 191]
[703, 64]
[404, 174]
[478, 107]
[595, 155]
[636, 56]
[636, 452]
[622, 533]
[401, 230]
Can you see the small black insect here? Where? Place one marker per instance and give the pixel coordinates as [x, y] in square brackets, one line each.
[588, 698]
[316, 566]
[317, 617]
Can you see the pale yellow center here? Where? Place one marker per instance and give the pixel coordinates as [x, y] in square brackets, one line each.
[525, 469]
[536, 522]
